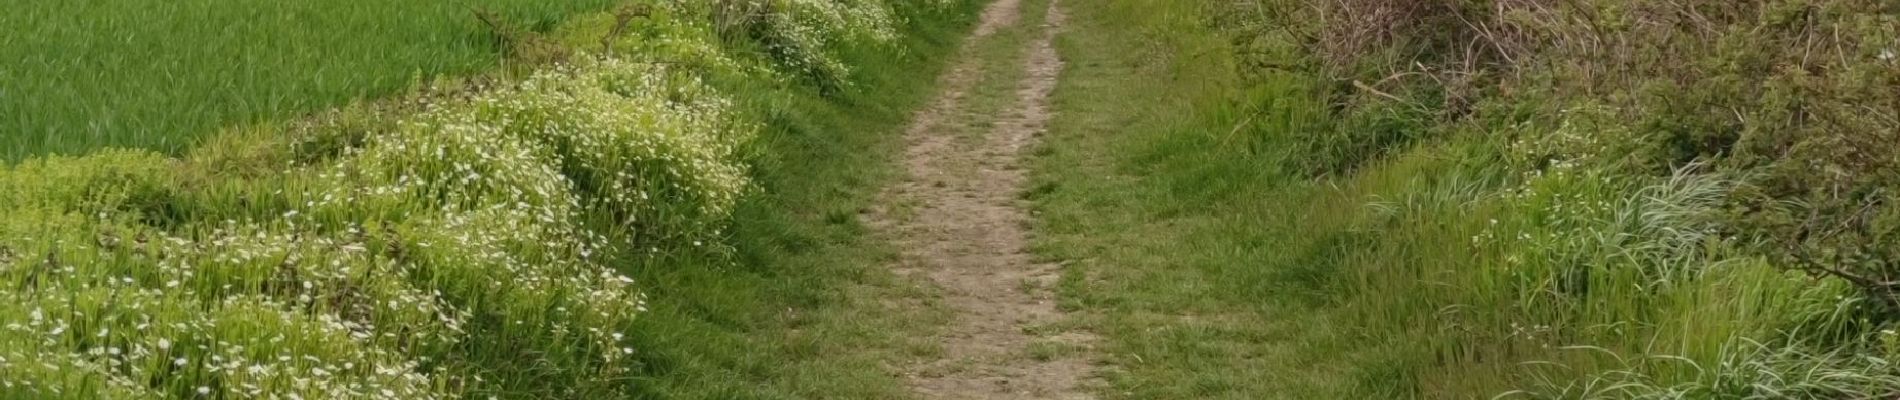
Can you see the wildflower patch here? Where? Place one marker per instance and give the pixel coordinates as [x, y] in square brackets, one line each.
[454, 245]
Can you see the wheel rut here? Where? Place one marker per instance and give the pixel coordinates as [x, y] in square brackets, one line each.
[961, 226]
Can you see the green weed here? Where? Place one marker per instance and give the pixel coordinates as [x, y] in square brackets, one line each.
[1300, 220]
[613, 226]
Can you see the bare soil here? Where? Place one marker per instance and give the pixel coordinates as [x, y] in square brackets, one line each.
[966, 232]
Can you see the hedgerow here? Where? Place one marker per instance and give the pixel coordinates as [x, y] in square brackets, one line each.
[1637, 189]
[458, 243]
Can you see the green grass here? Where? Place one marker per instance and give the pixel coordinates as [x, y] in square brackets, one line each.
[804, 311]
[477, 247]
[608, 228]
[1168, 222]
[1217, 267]
[85, 75]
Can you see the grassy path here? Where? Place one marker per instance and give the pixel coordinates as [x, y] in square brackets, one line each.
[1072, 203]
[960, 224]
[1180, 246]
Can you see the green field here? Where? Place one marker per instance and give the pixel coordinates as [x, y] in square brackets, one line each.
[161, 75]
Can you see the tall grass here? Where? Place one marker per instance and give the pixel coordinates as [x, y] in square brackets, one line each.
[1178, 239]
[1289, 232]
[1559, 197]
[490, 238]
[83, 75]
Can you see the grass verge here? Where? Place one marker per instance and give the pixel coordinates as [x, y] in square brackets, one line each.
[483, 239]
[799, 315]
[1167, 222]
[1439, 266]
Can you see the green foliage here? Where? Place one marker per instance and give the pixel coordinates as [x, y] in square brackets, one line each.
[1368, 133]
[802, 37]
[81, 76]
[1530, 199]
[477, 239]
[1176, 233]
[1612, 164]
[1746, 370]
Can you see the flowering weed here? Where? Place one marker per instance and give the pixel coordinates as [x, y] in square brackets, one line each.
[466, 243]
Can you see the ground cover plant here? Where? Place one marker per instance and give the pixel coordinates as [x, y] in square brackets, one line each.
[1478, 199]
[482, 237]
[1648, 200]
[1247, 199]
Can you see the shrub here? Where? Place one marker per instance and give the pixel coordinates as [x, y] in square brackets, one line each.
[1656, 153]
[1775, 91]
[802, 36]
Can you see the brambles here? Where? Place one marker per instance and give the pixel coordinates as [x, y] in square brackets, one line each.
[1649, 179]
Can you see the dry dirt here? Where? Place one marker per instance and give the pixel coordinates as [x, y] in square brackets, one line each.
[965, 230]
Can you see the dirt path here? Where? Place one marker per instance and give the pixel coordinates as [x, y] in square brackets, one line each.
[961, 225]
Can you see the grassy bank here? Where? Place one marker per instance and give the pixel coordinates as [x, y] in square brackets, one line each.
[1175, 235]
[82, 76]
[1306, 214]
[668, 214]
[793, 311]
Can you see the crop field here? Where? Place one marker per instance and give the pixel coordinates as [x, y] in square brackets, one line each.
[89, 74]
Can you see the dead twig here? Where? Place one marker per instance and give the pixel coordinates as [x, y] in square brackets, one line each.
[622, 19]
[1376, 91]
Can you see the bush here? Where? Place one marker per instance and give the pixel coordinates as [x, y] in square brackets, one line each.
[1779, 92]
[1658, 158]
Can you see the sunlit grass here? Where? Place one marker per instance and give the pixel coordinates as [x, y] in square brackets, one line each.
[1442, 268]
[160, 75]
[504, 239]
